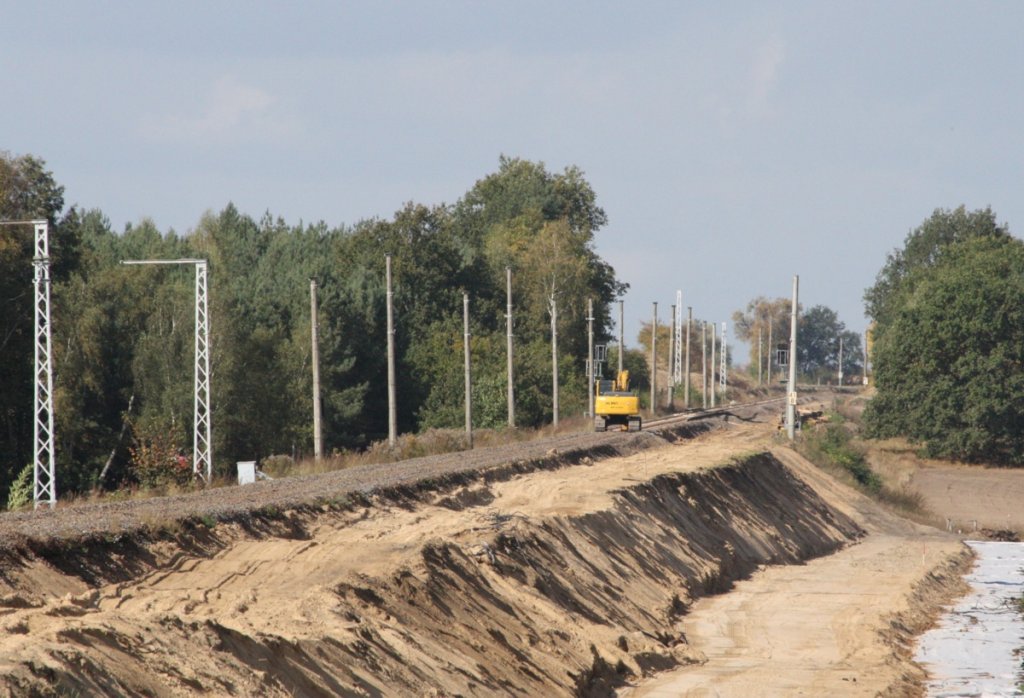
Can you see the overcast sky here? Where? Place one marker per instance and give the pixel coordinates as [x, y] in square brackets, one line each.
[732, 145]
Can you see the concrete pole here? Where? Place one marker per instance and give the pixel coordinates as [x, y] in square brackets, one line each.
[865, 358]
[622, 336]
[760, 359]
[508, 325]
[469, 371]
[654, 359]
[771, 348]
[671, 359]
[714, 383]
[792, 397]
[314, 321]
[554, 363]
[840, 360]
[392, 410]
[704, 363]
[686, 375]
[590, 358]
[723, 364]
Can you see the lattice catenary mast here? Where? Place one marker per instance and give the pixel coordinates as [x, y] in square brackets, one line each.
[202, 449]
[44, 477]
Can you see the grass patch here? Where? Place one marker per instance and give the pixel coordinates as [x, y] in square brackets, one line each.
[431, 442]
[834, 446]
[902, 498]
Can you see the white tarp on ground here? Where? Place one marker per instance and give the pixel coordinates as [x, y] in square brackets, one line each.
[973, 651]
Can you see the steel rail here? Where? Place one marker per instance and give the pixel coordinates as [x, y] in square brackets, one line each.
[698, 413]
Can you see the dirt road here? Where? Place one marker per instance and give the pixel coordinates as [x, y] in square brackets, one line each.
[823, 628]
[811, 630]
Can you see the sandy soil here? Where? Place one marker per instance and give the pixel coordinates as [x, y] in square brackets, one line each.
[964, 499]
[569, 580]
[972, 498]
[815, 629]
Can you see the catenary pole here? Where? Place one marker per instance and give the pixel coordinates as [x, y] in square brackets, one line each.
[202, 435]
[686, 375]
[840, 361]
[865, 358]
[314, 322]
[44, 473]
[622, 334]
[723, 364]
[590, 358]
[676, 360]
[671, 360]
[202, 459]
[392, 407]
[714, 349]
[704, 363]
[469, 372]
[791, 388]
[760, 358]
[554, 362]
[508, 326]
[654, 359]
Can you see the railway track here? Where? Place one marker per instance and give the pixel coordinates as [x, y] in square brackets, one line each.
[110, 519]
[701, 413]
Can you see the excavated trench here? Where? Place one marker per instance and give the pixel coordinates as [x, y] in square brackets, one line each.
[451, 592]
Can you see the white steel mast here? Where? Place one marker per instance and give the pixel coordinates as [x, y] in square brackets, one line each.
[44, 488]
[202, 448]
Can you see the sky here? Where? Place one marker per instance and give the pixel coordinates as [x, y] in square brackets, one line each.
[732, 145]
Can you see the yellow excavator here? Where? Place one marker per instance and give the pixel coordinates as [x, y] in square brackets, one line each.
[615, 404]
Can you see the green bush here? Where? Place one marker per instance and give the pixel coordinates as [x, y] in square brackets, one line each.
[21, 493]
[832, 444]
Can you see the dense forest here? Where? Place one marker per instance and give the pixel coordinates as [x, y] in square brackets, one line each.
[123, 336]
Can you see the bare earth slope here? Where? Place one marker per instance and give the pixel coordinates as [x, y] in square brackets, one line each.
[562, 580]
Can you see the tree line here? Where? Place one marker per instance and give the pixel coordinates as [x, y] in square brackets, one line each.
[123, 336]
[948, 339]
[823, 341]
